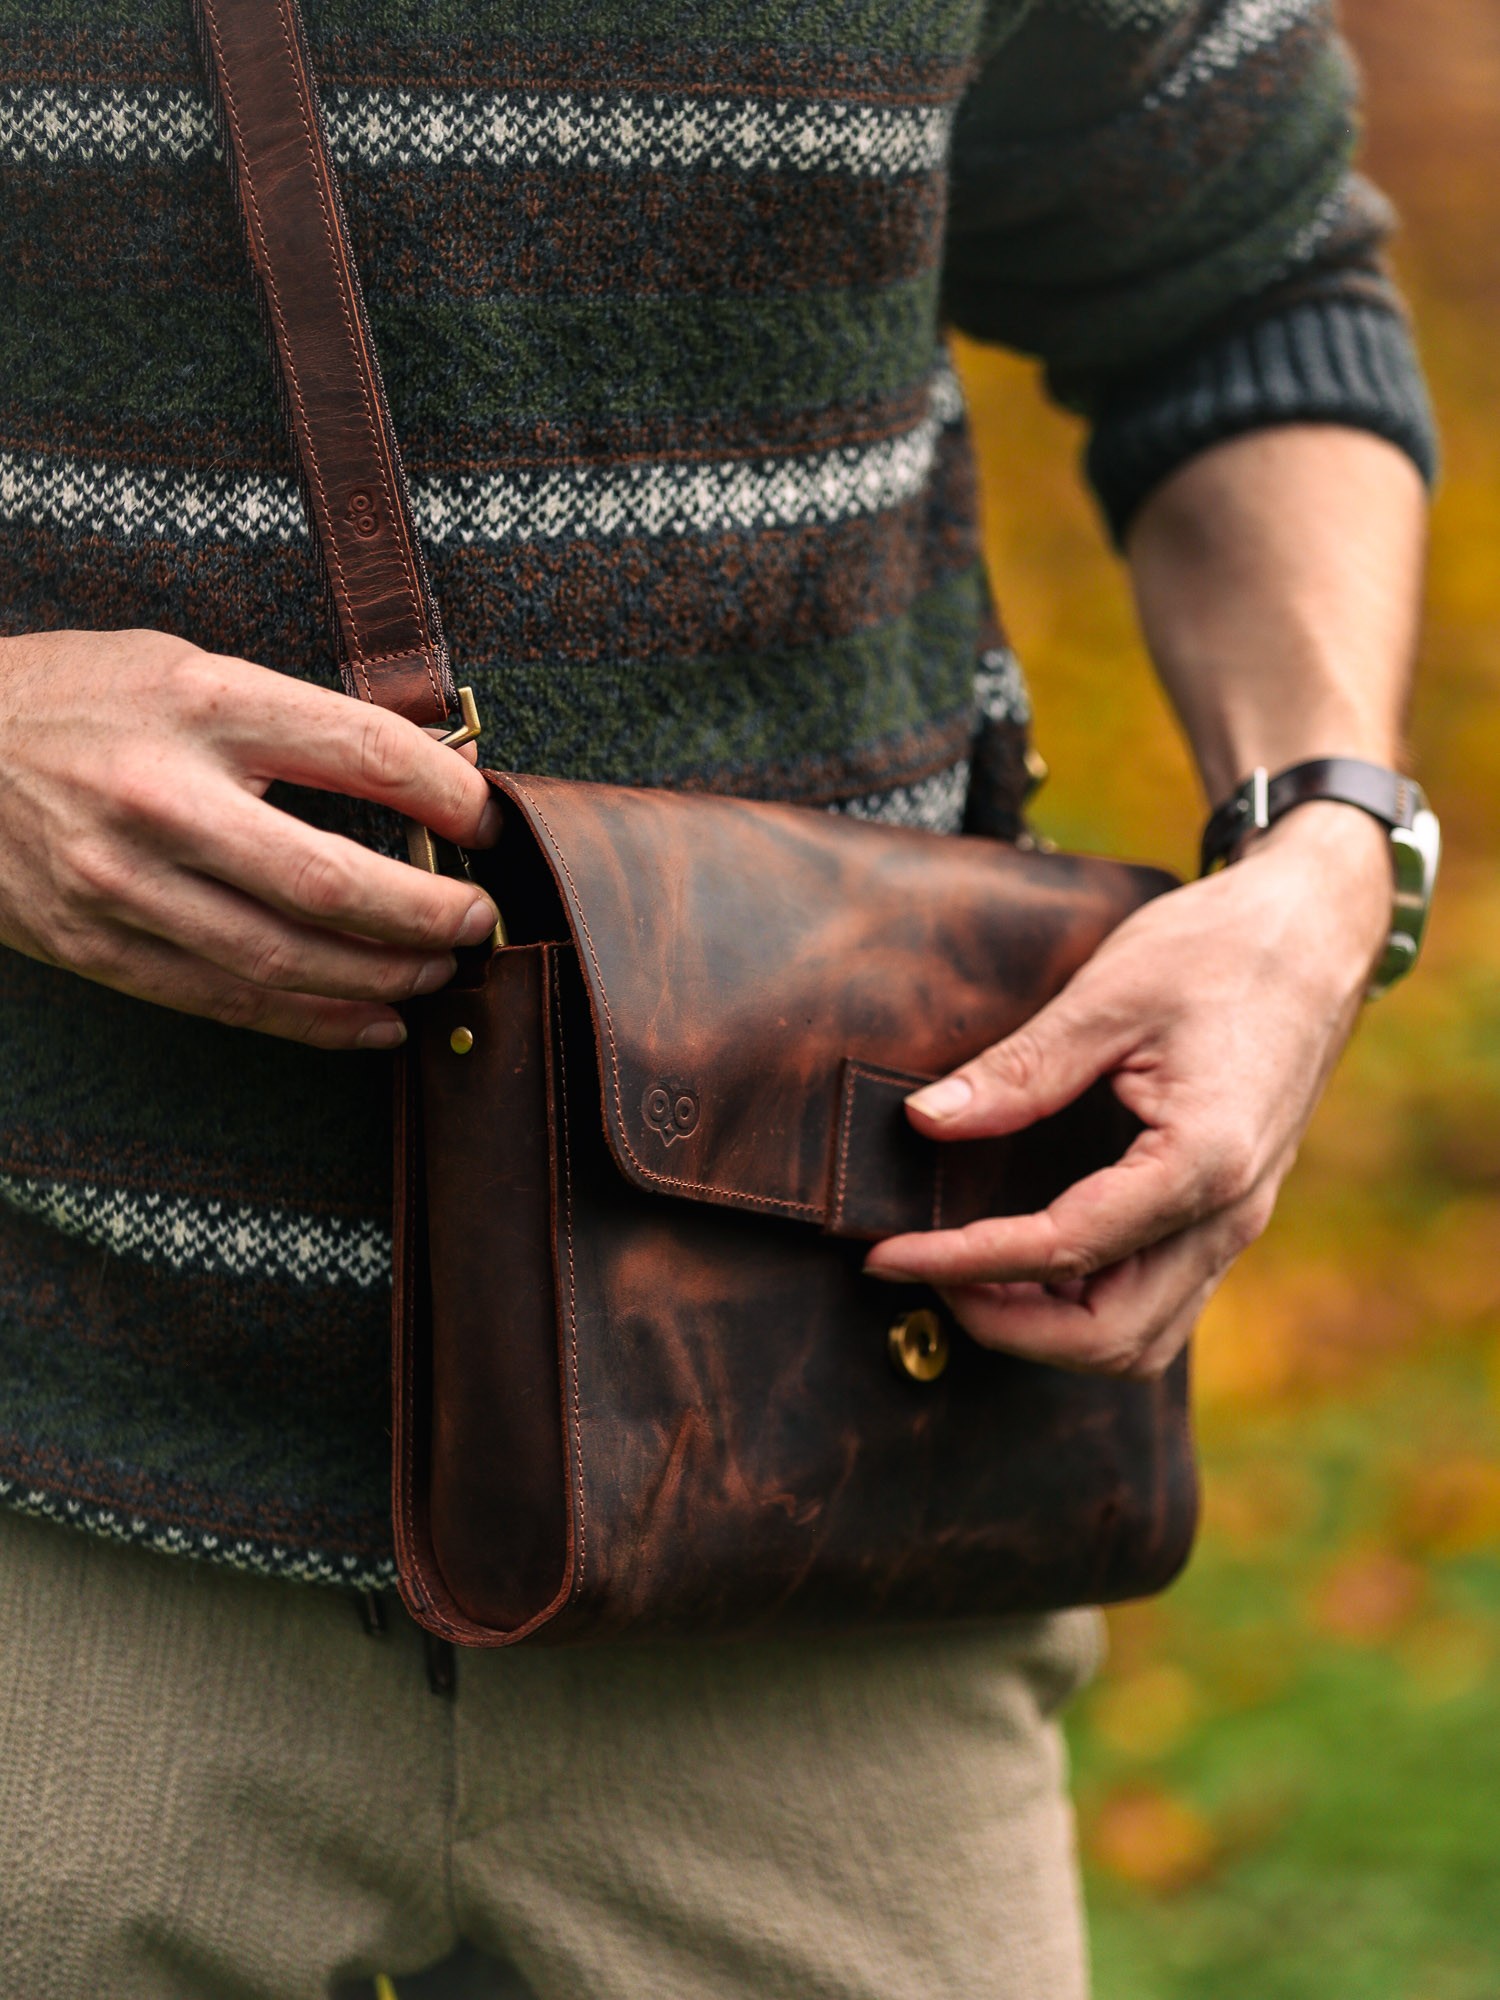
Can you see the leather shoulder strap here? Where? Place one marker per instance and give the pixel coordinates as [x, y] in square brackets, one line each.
[390, 638]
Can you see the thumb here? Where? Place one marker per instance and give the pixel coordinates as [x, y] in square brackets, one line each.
[1043, 1066]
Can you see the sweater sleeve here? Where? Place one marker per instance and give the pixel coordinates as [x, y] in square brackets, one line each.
[1155, 198]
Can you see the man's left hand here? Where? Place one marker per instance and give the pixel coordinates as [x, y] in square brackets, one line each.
[1217, 1012]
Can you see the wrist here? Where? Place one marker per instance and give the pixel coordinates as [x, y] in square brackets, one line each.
[1337, 841]
[1337, 863]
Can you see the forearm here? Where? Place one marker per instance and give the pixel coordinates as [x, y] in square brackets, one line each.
[1278, 580]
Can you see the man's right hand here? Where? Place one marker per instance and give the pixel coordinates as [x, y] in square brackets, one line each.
[137, 847]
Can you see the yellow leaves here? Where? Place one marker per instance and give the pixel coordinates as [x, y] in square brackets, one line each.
[1285, 1327]
[1367, 1597]
[1465, 565]
[1456, 1262]
[1451, 1507]
[1149, 1838]
[1124, 781]
[1446, 1658]
[1253, 1665]
[1243, 1354]
[1148, 1713]
[1378, 1598]
[1255, 1509]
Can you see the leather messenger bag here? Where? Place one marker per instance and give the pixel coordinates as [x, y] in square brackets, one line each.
[641, 1385]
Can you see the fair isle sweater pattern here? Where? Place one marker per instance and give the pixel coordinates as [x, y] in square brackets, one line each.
[660, 294]
[518, 505]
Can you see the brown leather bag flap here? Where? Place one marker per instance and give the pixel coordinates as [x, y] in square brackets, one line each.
[767, 983]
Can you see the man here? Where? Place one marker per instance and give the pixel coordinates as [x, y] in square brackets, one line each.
[658, 299]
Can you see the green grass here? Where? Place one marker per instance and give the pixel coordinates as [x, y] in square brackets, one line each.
[1314, 1717]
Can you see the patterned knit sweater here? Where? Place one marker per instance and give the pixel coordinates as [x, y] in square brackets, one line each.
[659, 289]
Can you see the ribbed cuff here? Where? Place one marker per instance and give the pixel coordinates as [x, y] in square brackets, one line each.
[1338, 361]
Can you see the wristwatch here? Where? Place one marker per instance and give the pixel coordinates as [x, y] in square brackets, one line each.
[1398, 803]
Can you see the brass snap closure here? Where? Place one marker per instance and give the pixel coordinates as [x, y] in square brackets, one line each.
[461, 1041]
[918, 1344]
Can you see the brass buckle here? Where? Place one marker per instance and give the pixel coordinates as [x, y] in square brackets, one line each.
[470, 729]
[421, 848]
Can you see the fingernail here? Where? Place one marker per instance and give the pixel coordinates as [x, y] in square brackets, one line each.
[381, 1035]
[942, 1099]
[477, 924]
[888, 1275]
[435, 973]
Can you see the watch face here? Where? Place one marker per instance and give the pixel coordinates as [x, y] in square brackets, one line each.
[1415, 852]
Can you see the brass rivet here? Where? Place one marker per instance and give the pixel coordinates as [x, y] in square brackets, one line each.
[918, 1345]
[461, 1041]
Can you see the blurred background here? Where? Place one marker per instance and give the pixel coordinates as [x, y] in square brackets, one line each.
[1289, 1775]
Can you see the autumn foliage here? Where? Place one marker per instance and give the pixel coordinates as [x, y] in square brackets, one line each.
[1290, 1774]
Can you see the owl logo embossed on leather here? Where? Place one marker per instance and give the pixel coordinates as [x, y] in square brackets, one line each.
[671, 1112]
[364, 517]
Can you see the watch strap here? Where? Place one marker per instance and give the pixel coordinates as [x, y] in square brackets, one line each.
[1386, 795]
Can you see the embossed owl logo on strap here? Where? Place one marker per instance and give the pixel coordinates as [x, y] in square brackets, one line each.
[364, 515]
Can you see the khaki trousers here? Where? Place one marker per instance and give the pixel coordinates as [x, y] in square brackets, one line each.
[218, 1787]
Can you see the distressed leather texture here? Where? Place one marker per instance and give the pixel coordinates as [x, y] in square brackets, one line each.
[721, 1006]
[747, 964]
[640, 1384]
